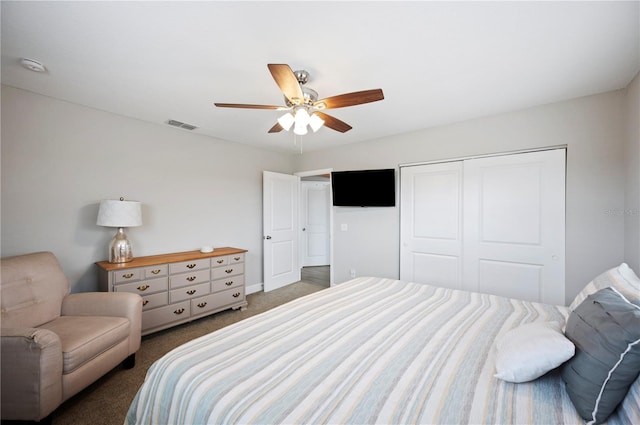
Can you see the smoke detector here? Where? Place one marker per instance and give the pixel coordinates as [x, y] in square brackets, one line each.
[32, 65]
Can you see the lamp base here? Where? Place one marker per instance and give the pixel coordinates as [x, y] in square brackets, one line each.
[120, 248]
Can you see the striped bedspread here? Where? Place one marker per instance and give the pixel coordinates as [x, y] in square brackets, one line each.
[369, 351]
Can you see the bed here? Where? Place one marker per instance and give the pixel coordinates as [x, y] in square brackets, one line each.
[368, 351]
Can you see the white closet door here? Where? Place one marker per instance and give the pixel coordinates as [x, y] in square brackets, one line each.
[430, 224]
[494, 225]
[514, 216]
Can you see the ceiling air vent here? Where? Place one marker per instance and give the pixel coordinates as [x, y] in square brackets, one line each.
[181, 124]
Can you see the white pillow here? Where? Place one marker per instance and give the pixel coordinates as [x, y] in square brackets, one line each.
[531, 350]
[622, 278]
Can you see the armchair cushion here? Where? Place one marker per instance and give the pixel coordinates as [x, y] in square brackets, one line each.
[33, 286]
[85, 337]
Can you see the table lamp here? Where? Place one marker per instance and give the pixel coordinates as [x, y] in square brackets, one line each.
[119, 214]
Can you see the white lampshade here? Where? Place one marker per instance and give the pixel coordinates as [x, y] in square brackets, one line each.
[122, 213]
[302, 117]
[286, 121]
[315, 122]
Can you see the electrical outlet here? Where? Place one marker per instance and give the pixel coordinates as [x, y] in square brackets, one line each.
[352, 272]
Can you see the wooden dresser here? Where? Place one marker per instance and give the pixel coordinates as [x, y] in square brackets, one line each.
[179, 287]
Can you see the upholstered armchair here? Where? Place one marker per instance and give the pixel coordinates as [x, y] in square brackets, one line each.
[54, 344]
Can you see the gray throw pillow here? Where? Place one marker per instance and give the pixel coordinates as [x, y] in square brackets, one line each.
[605, 329]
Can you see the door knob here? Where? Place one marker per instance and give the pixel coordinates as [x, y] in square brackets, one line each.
[304, 228]
[267, 237]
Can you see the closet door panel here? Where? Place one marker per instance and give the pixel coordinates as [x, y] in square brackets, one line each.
[514, 225]
[431, 212]
[510, 279]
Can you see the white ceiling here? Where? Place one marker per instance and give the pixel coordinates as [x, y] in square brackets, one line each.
[437, 62]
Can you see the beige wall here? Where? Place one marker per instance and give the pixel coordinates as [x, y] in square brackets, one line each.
[632, 166]
[591, 128]
[60, 159]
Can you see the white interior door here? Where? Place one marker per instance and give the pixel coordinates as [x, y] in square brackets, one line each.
[430, 224]
[315, 223]
[494, 225]
[514, 226]
[280, 224]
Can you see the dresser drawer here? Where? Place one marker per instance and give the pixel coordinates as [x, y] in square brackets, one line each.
[128, 275]
[230, 282]
[220, 261]
[203, 305]
[156, 271]
[237, 258]
[154, 300]
[187, 266]
[216, 301]
[229, 270]
[144, 287]
[230, 296]
[184, 279]
[189, 292]
[162, 315]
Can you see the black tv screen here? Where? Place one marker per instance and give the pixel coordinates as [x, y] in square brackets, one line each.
[364, 188]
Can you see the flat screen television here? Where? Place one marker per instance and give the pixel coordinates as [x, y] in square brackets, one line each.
[364, 188]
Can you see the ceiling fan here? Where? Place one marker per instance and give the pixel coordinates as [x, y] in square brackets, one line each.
[302, 104]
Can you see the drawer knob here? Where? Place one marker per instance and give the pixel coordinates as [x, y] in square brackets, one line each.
[236, 295]
[143, 287]
[145, 302]
[191, 278]
[229, 283]
[220, 261]
[190, 266]
[202, 305]
[127, 275]
[179, 311]
[228, 271]
[191, 292]
[156, 271]
[236, 258]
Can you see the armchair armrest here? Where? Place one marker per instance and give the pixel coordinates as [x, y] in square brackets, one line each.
[119, 304]
[31, 373]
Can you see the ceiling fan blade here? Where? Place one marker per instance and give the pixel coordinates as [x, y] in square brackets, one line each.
[350, 99]
[276, 128]
[245, 105]
[334, 123]
[287, 81]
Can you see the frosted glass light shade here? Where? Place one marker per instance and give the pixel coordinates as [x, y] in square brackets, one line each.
[114, 213]
[315, 122]
[302, 117]
[300, 129]
[286, 121]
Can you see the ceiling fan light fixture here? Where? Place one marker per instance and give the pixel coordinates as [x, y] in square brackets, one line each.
[300, 130]
[302, 117]
[286, 121]
[315, 122]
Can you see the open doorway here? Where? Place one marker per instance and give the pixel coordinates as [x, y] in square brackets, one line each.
[316, 221]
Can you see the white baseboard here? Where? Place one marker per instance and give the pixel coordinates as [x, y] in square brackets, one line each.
[251, 289]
